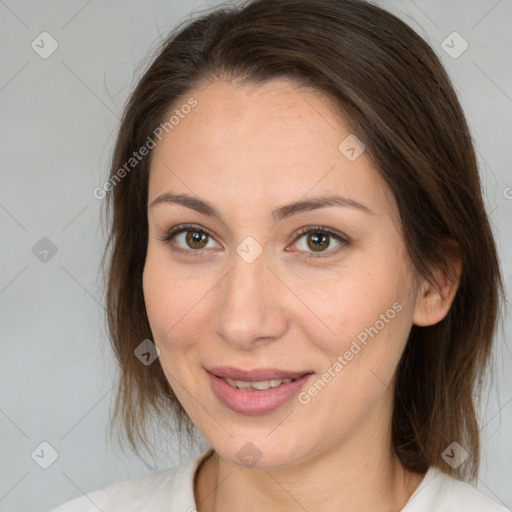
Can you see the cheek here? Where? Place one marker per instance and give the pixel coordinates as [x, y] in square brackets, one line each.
[158, 297]
[361, 324]
[175, 304]
[172, 306]
[343, 309]
[360, 360]
[371, 328]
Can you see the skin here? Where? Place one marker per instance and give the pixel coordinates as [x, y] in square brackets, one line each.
[247, 150]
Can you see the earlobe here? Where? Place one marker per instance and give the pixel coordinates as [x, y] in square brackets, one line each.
[434, 302]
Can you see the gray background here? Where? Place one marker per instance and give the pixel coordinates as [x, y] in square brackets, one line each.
[58, 118]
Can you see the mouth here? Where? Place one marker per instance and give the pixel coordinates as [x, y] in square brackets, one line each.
[256, 391]
[257, 375]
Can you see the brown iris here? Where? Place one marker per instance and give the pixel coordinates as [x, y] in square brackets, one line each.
[319, 241]
[196, 239]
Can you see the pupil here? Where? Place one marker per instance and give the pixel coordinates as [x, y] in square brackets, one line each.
[320, 241]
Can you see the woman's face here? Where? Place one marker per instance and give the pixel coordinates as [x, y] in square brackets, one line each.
[321, 290]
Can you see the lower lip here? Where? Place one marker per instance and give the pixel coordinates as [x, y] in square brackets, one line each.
[255, 402]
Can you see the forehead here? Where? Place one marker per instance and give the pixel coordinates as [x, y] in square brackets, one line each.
[244, 117]
[275, 140]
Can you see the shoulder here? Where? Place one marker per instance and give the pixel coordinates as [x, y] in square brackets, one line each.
[173, 485]
[441, 493]
[467, 498]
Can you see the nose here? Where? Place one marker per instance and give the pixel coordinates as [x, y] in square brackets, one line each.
[249, 308]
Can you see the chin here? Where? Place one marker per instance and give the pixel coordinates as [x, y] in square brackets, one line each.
[261, 453]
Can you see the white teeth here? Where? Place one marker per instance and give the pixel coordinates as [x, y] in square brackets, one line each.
[260, 385]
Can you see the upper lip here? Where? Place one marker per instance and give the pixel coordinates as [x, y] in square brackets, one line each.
[258, 374]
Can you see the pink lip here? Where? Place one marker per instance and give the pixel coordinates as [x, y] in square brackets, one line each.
[256, 402]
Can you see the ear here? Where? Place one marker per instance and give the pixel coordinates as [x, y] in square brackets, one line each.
[434, 301]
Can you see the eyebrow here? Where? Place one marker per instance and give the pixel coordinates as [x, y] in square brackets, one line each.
[278, 214]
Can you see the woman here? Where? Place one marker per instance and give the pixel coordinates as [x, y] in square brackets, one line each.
[300, 266]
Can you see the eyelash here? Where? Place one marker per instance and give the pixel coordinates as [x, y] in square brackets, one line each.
[344, 241]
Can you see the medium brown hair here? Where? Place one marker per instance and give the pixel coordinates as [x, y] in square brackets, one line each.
[398, 99]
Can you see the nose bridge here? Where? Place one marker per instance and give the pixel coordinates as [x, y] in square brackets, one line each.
[248, 307]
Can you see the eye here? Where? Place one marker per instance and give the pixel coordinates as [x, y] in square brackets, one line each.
[318, 239]
[192, 239]
[188, 238]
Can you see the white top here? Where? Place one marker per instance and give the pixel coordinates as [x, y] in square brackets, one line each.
[172, 490]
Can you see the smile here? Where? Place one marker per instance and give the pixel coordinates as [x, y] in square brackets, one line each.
[258, 396]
